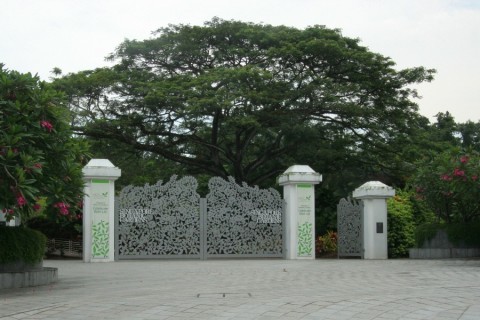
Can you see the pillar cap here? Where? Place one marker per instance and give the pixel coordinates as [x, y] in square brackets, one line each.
[299, 174]
[101, 168]
[373, 190]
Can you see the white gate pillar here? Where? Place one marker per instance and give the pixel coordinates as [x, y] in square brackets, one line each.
[374, 195]
[298, 191]
[99, 210]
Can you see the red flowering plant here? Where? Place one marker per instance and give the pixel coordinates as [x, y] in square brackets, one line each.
[449, 184]
[326, 244]
[40, 161]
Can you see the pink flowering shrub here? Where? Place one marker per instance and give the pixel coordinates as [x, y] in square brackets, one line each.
[40, 162]
[449, 184]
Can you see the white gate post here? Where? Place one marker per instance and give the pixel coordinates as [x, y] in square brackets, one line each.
[99, 210]
[298, 191]
[374, 195]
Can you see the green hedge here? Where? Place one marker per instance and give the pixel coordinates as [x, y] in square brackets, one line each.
[458, 233]
[21, 244]
[401, 225]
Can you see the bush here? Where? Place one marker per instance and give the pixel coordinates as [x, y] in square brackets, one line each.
[459, 234]
[21, 244]
[449, 183]
[401, 225]
[326, 244]
[70, 230]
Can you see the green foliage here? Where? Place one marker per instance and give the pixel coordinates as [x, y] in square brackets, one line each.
[470, 133]
[138, 168]
[401, 225]
[459, 234]
[40, 162]
[244, 99]
[426, 232]
[21, 244]
[69, 229]
[464, 234]
[450, 186]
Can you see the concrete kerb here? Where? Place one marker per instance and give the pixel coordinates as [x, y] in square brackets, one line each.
[253, 289]
[31, 278]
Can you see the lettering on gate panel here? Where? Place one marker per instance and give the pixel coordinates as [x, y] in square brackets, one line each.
[134, 215]
[268, 216]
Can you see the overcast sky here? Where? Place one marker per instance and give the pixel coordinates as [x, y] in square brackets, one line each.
[38, 35]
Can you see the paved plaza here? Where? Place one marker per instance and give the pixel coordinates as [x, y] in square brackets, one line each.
[252, 289]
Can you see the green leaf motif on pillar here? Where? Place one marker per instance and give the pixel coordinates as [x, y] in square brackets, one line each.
[100, 245]
[305, 240]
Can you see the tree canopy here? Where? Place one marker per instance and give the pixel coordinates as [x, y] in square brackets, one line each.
[244, 99]
[40, 162]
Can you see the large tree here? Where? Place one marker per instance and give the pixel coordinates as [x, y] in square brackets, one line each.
[244, 99]
[40, 162]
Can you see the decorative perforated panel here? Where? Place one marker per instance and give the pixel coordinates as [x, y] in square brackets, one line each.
[243, 220]
[349, 227]
[170, 220]
[159, 220]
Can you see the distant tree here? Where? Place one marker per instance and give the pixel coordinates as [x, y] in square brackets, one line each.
[40, 162]
[137, 167]
[243, 99]
[445, 128]
[470, 135]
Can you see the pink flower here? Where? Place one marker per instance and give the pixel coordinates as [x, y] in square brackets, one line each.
[47, 125]
[21, 200]
[7, 211]
[446, 177]
[464, 159]
[36, 207]
[62, 207]
[38, 165]
[458, 173]
[474, 177]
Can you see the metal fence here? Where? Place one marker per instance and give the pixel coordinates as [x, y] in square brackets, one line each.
[63, 247]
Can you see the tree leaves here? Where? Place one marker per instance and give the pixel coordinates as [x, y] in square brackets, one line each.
[228, 98]
[38, 156]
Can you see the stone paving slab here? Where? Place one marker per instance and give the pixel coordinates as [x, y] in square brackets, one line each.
[252, 289]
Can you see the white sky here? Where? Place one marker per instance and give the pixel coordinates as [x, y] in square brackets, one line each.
[38, 35]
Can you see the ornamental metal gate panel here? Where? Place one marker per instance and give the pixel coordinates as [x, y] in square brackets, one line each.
[350, 228]
[160, 220]
[171, 221]
[243, 221]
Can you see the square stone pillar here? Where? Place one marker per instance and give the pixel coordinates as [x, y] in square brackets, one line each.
[99, 210]
[298, 191]
[374, 195]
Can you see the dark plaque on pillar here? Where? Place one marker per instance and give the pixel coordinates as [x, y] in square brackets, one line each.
[379, 227]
